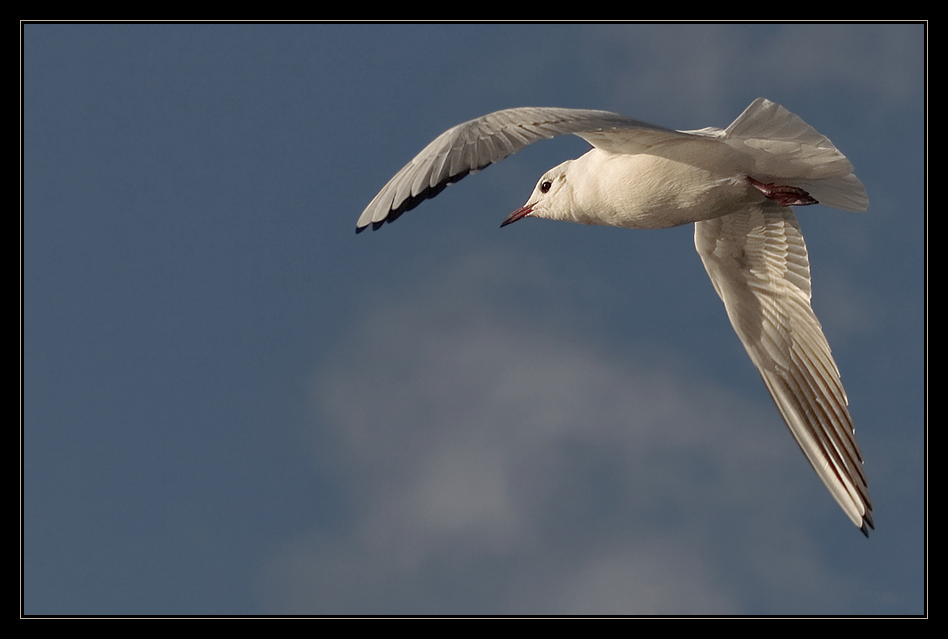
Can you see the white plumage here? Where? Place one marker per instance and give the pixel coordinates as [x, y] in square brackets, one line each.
[737, 186]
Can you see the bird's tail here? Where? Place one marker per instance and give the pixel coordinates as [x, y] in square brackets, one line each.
[780, 145]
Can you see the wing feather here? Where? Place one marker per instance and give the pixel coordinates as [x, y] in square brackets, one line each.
[758, 264]
[474, 145]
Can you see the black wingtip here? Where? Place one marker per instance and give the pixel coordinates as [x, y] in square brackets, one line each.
[376, 225]
[412, 201]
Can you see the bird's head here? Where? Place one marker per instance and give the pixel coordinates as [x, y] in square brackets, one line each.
[551, 198]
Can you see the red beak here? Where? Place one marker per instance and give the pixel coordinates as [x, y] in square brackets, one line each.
[522, 212]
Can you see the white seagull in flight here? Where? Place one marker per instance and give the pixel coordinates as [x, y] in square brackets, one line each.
[737, 186]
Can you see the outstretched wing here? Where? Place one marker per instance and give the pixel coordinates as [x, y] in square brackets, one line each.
[475, 144]
[758, 264]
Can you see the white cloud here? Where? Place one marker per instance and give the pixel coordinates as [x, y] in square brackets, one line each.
[496, 462]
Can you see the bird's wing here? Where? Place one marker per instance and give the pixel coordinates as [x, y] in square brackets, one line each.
[475, 144]
[758, 264]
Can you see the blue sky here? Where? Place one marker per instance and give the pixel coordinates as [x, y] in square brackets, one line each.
[233, 404]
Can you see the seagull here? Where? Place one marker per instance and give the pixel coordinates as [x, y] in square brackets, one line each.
[737, 186]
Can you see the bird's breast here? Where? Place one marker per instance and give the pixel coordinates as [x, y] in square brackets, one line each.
[657, 191]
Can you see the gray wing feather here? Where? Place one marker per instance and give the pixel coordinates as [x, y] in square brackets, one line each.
[757, 261]
[473, 145]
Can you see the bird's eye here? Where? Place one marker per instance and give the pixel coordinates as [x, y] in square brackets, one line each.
[545, 186]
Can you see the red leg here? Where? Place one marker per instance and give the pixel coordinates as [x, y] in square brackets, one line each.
[783, 195]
